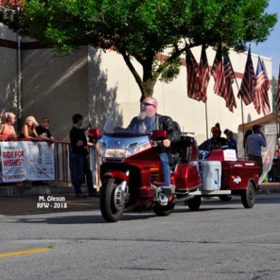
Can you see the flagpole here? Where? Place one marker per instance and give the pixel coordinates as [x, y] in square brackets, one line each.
[277, 109]
[242, 117]
[276, 121]
[242, 113]
[206, 119]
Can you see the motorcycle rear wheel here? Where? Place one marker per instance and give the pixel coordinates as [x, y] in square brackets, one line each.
[109, 210]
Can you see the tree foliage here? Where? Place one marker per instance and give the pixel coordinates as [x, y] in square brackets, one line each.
[139, 29]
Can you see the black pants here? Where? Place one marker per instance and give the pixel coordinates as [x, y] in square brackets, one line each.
[80, 168]
[258, 160]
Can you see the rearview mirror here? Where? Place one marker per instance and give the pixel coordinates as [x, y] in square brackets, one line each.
[94, 133]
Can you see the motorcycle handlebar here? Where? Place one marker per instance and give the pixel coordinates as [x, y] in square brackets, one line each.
[157, 143]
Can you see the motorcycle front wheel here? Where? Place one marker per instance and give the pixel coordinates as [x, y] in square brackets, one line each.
[110, 210]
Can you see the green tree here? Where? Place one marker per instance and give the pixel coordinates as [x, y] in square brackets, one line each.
[140, 29]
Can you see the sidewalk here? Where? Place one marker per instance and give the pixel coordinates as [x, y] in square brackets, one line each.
[270, 187]
[23, 205]
[31, 198]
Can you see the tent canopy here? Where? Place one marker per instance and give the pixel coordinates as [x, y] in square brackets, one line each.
[272, 117]
[268, 152]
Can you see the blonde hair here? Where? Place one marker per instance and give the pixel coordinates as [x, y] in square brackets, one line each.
[34, 122]
[8, 116]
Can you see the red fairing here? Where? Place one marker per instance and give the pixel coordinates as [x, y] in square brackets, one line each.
[194, 151]
[160, 135]
[117, 174]
[187, 177]
[217, 155]
[147, 192]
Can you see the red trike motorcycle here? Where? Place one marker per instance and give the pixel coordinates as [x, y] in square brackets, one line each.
[131, 174]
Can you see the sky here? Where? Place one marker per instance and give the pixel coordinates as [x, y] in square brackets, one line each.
[271, 47]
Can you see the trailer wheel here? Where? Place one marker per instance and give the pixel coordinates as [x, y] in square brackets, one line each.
[248, 196]
[194, 203]
[225, 197]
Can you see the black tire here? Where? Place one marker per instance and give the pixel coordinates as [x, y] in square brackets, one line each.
[227, 197]
[164, 210]
[248, 196]
[110, 212]
[194, 203]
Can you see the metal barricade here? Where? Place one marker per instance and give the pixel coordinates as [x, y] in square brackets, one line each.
[62, 166]
[95, 166]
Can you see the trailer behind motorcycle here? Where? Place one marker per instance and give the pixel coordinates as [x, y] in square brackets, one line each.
[224, 175]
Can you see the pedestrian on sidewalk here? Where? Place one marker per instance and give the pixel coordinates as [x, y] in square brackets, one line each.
[79, 162]
[254, 144]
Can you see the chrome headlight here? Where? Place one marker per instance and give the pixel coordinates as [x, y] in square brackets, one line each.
[115, 153]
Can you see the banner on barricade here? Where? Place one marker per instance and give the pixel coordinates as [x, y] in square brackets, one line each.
[26, 160]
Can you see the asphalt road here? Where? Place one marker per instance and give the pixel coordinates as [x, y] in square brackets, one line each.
[221, 241]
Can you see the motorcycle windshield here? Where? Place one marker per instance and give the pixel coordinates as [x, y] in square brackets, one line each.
[114, 127]
[119, 142]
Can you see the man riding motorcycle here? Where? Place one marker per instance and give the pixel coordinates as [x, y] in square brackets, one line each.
[149, 120]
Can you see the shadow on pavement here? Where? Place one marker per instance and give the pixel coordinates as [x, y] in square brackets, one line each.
[201, 209]
[14, 206]
[261, 198]
[79, 219]
[268, 199]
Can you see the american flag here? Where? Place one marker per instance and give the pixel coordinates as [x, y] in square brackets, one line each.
[192, 76]
[204, 75]
[261, 101]
[247, 89]
[278, 93]
[266, 87]
[229, 78]
[219, 75]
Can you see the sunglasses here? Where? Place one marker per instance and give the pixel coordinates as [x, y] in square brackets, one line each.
[148, 104]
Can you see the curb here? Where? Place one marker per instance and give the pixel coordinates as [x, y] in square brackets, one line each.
[28, 189]
[270, 187]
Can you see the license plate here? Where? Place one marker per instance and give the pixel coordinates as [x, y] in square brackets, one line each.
[115, 153]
